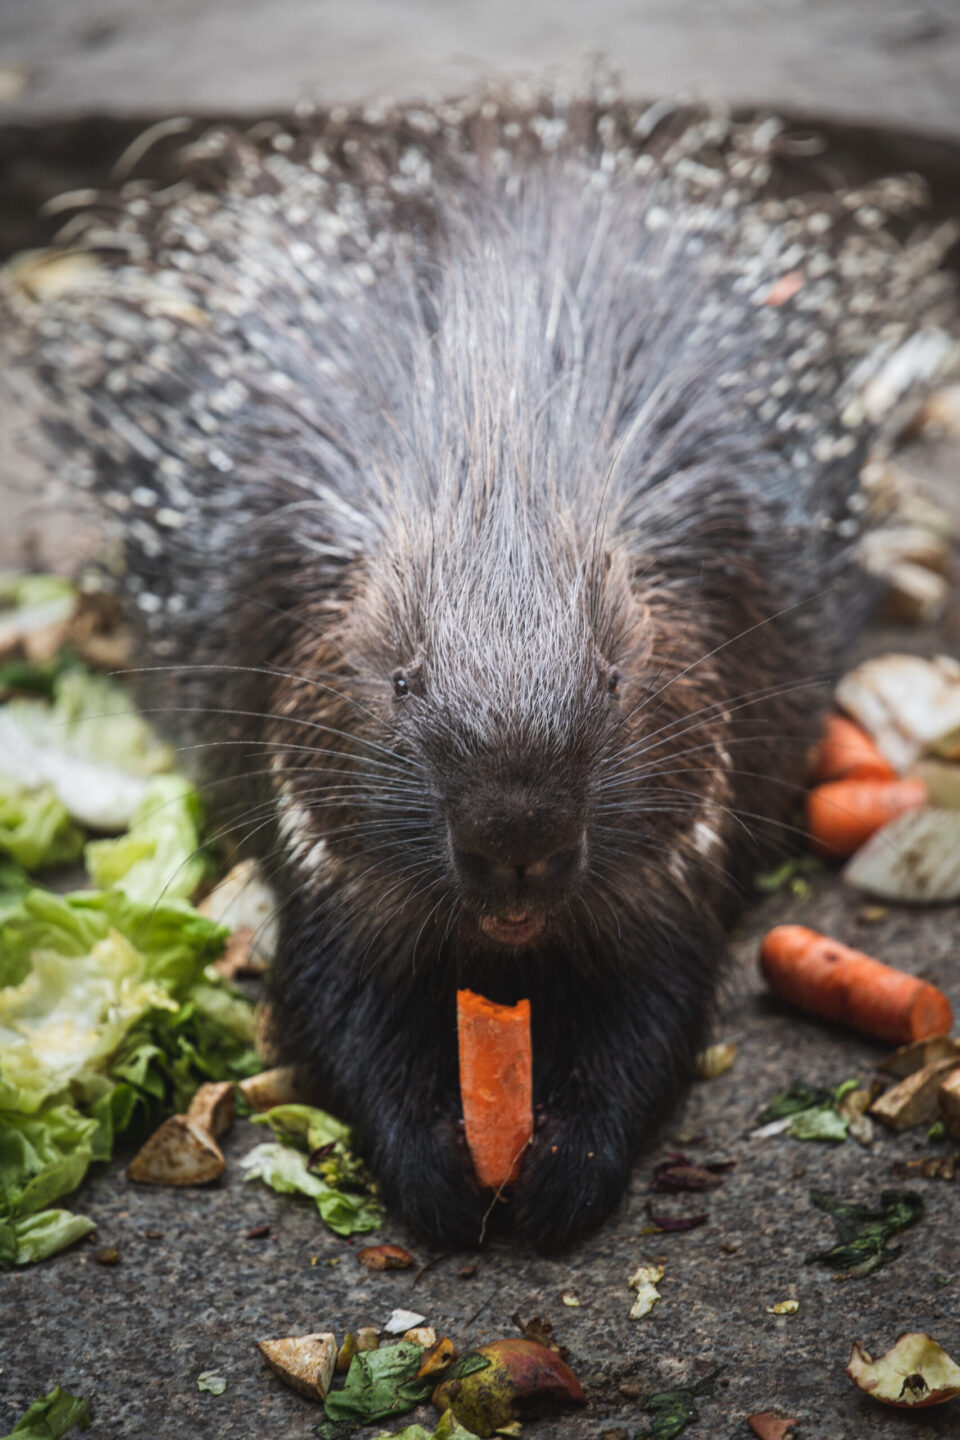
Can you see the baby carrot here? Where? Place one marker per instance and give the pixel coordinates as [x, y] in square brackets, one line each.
[829, 979]
[496, 1084]
[843, 814]
[846, 752]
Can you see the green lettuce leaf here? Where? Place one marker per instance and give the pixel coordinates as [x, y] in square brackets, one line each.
[36, 1237]
[286, 1170]
[159, 856]
[448, 1428]
[90, 745]
[379, 1384]
[51, 1417]
[35, 829]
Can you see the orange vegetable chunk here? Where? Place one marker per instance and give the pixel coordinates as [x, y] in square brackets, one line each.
[846, 752]
[496, 1084]
[829, 979]
[843, 814]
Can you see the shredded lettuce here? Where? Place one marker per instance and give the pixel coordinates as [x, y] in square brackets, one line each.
[50, 1417]
[35, 829]
[90, 745]
[336, 1183]
[159, 854]
[107, 1025]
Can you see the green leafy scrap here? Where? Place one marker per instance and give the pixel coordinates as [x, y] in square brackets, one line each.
[792, 873]
[448, 1428]
[863, 1232]
[380, 1384]
[673, 1410]
[51, 1417]
[35, 828]
[287, 1171]
[160, 854]
[812, 1110]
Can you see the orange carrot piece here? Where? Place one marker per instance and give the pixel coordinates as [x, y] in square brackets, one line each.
[846, 752]
[829, 979]
[843, 814]
[496, 1084]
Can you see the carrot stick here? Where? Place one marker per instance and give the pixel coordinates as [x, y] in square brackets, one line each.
[843, 814]
[829, 979]
[496, 1084]
[846, 752]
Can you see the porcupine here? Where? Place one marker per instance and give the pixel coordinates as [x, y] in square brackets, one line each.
[487, 482]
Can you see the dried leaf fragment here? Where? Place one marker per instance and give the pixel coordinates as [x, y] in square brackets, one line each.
[385, 1257]
[914, 1100]
[179, 1152]
[645, 1280]
[770, 1426]
[306, 1362]
[916, 1372]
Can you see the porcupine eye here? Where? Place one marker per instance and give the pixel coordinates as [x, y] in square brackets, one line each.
[400, 687]
[613, 682]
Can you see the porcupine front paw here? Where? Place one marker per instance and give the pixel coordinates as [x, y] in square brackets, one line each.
[427, 1178]
[573, 1177]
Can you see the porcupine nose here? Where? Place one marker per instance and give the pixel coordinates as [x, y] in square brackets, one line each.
[517, 850]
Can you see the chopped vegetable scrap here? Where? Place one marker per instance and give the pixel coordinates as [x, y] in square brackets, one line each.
[863, 1233]
[160, 854]
[915, 1099]
[645, 1280]
[813, 1112]
[847, 752]
[843, 814]
[51, 1417]
[211, 1382]
[915, 1056]
[504, 1382]
[907, 703]
[105, 1024]
[673, 1410]
[311, 1157]
[832, 980]
[91, 746]
[793, 873]
[305, 1362]
[448, 1428]
[770, 1426]
[716, 1060]
[180, 1152]
[783, 1307]
[380, 1384]
[496, 1085]
[402, 1320]
[916, 1373]
[915, 859]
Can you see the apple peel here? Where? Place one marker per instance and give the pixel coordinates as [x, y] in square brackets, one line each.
[915, 1373]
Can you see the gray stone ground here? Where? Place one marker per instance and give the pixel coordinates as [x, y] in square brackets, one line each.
[191, 1292]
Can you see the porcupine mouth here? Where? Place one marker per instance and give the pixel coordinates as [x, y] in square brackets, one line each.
[512, 929]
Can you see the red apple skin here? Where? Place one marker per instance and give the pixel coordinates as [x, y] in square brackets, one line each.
[522, 1379]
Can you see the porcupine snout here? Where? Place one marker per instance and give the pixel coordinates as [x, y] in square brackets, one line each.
[518, 855]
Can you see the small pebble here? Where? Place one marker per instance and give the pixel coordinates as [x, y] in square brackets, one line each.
[630, 1391]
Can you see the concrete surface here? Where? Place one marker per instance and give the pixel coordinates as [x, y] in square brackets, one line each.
[870, 59]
